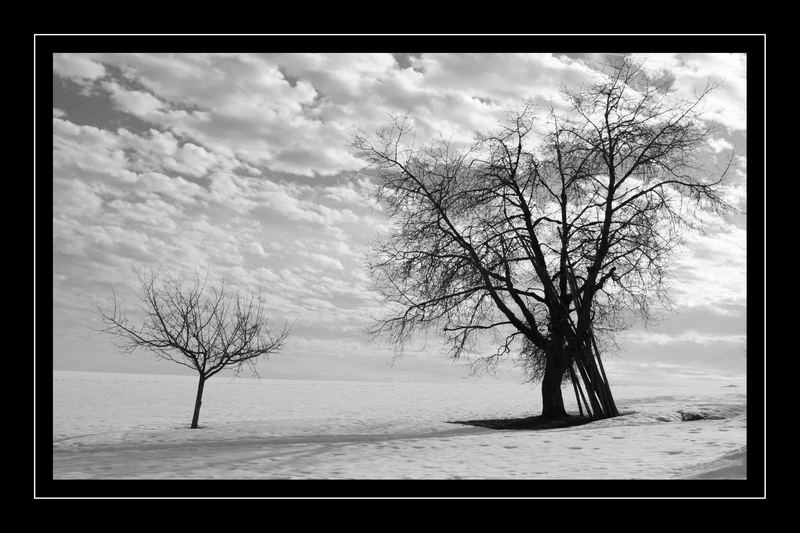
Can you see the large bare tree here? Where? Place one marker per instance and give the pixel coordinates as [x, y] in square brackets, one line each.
[197, 324]
[545, 234]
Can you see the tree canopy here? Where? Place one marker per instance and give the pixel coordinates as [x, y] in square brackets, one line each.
[546, 231]
[197, 324]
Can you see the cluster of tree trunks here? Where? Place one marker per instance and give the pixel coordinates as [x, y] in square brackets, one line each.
[576, 356]
[600, 402]
[590, 367]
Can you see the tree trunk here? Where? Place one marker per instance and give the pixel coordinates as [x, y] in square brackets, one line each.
[590, 386]
[578, 389]
[552, 400]
[198, 402]
[575, 388]
[613, 406]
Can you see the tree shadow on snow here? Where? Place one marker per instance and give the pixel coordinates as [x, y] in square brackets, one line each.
[530, 423]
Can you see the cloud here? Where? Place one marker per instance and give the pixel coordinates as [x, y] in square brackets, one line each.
[158, 150]
[689, 336]
[505, 78]
[718, 145]
[77, 67]
[125, 164]
[338, 76]
[713, 270]
[727, 103]
[74, 198]
[89, 153]
[324, 261]
[260, 119]
[143, 105]
[119, 202]
[244, 166]
[344, 194]
[296, 113]
[293, 202]
[735, 194]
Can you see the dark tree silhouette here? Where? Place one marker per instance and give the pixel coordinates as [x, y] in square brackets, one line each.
[196, 324]
[545, 239]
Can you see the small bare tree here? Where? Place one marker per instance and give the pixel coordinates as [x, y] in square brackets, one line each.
[197, 324]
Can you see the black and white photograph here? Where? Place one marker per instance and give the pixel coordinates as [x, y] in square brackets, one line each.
[346, 263]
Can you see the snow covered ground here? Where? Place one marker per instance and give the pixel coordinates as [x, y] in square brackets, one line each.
[122, 426]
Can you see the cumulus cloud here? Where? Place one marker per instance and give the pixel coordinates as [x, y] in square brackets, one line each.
[293, 202]
[88, 153]
[727, 102]
[244, 165]
[259, 119]
[77, 67]
[325, 261]
[119, 201]
[504, 78]
[718, 145]
[713, 270]
[123, 163]
[688, 336]
[75, 198]
[295, 112]
[159, 150]
[143, 105]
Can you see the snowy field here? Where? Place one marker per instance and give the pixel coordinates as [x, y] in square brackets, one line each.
[123, 426]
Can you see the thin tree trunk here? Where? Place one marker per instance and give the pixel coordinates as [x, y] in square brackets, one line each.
[599, 385]
[579, 389]
[552, 400]
[614, 410]
[599, 380]
[597, 409]
[574, 380]
[198, 402]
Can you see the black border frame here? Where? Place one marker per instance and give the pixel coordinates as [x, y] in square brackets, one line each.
[754, 486]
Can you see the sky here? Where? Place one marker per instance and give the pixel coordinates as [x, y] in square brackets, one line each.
[240, 165]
